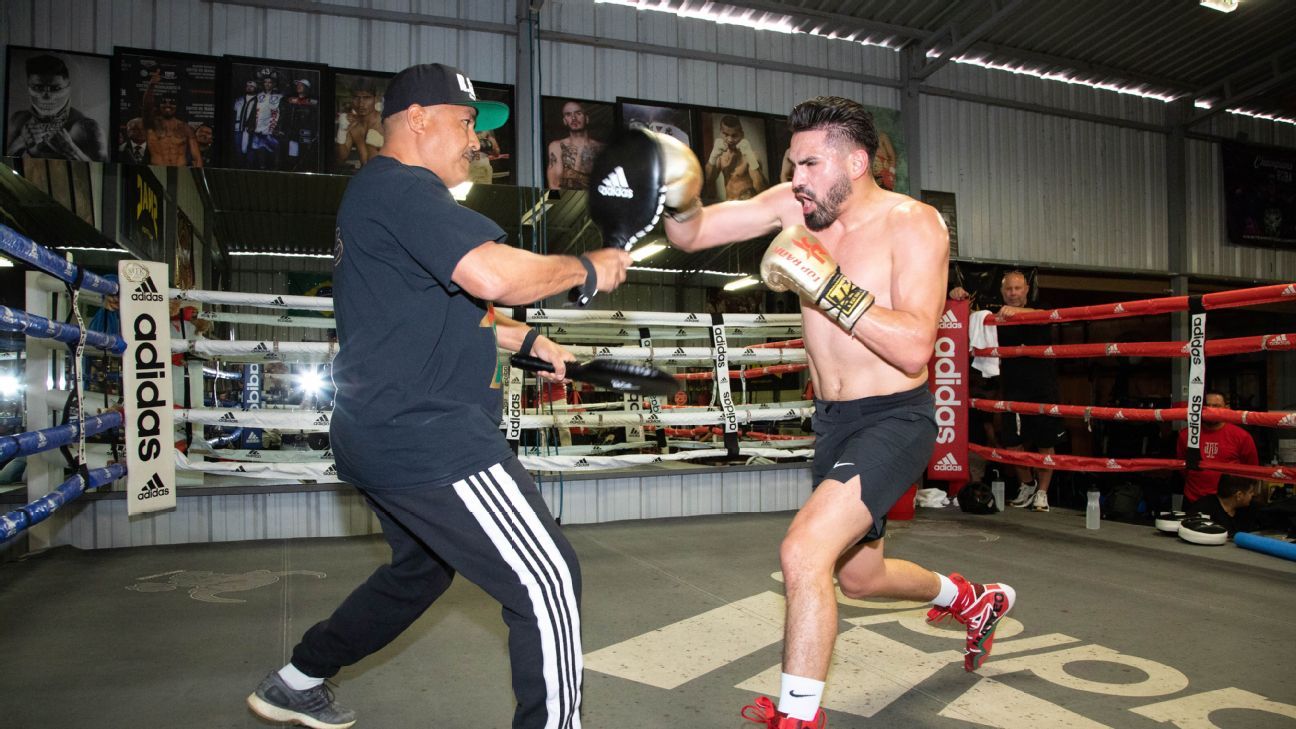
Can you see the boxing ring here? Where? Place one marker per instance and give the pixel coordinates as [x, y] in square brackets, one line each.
[1198, 350]
[639, 444]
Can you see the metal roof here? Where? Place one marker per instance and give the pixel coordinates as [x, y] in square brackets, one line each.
[1246, 58]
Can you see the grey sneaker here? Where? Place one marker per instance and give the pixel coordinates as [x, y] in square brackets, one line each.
[1025, 493]
[1040, 502]
[276, 701]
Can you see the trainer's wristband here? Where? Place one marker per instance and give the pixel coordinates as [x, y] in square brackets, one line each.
[590, 287]
[686, 213]
[528, 341]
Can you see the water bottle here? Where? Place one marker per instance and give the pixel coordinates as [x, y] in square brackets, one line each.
[997, 488]
[1092, 510]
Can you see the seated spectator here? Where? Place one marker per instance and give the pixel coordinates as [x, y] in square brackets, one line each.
[1230, 506]
[1219, 441]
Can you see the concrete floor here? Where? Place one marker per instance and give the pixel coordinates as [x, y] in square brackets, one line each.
[1122, 627]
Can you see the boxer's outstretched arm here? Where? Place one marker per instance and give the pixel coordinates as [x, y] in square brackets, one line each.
[736, 220]
[507, 275]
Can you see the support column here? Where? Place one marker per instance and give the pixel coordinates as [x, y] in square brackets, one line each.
[526, 106]
[1177, 234]
[911, 59]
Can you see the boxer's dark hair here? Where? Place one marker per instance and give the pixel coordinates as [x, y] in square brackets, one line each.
[1231, 485]
[843, 119]
[47, 65]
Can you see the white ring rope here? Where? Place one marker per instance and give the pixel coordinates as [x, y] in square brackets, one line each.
[276, 351]
[318, 421]
[574, 331]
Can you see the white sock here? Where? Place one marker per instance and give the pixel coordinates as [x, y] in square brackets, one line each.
[296, 680]
[799, 697]
[948, 591]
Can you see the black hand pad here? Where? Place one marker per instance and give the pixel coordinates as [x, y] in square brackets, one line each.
[626, 195]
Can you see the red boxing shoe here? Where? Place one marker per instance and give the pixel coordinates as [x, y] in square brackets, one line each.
[763, 712]
[980, 608]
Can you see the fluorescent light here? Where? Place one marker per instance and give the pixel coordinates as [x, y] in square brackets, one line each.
[310, 382]
[1261, 115]
[745, 17]
[5, 262]
[648, 251]
[281, 255]
[9, 385]
[741, 283]
[460, 191]
[1224, 6]
[726, 274]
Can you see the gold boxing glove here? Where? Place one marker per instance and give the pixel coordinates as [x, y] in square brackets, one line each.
[796, 260]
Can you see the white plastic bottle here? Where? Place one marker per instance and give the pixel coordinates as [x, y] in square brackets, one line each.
[1093, 510]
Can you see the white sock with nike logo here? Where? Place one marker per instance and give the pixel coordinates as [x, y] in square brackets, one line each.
[799, 697]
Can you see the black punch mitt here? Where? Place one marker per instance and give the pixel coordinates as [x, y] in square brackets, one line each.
[626, 195]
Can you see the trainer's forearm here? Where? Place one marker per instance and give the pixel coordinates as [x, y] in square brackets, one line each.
[512, 276]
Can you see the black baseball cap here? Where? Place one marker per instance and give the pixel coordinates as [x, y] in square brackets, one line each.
[429, 84]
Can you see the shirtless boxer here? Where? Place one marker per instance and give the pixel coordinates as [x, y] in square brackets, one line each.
[572, 157]
[870, 267]
[170, 140]
[734, 157]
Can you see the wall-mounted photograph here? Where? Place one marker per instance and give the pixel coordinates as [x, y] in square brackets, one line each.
[574, 132]
[165, 112]
[274, 112]
[677, 121]
[494, 163]
[57, 104]
[735, 166]
[357, 124]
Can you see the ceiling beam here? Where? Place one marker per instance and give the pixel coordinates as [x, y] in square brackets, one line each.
[1000, 10]
[1269, 71]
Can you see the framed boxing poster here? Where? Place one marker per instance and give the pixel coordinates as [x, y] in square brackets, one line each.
[1259, 195]
[273, 114]
[677, 121]
[890, 167]
[57, 104]
[164, 111]
[735, 165]
[890, 163]
[357, 131]
[141, 210]
[495, 164]
[573, 132]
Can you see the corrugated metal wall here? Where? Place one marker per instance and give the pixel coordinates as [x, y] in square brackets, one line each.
[102, 523]
[1074, 192]
[1038, 187]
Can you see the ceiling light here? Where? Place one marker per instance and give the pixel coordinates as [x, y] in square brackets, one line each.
[1224, 6]
[310, 382]
[644, 252]
[741, 283]
[281, 255]
[9, 385]
[5, 262]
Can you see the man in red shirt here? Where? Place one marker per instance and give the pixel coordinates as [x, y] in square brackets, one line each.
[1223, 442]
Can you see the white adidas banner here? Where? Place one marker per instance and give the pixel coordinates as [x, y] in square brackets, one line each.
[146, 382]
[1196, 378]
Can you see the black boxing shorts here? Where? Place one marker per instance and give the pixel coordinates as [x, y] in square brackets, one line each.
[886, 440]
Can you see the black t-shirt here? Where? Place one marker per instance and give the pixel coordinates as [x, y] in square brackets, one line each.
[1028, 379]
[1243, 521]
[418, 382]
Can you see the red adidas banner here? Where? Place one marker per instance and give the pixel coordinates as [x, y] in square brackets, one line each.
[947, 377]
